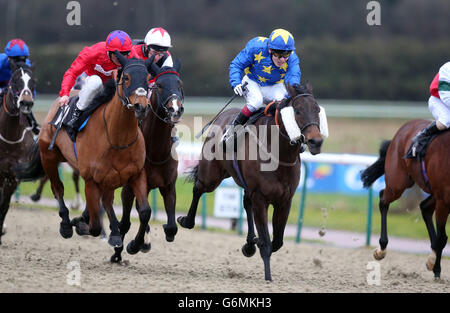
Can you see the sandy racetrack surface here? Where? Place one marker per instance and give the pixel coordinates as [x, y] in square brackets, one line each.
[34, 258]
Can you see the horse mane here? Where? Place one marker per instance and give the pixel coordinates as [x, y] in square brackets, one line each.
[109, 88]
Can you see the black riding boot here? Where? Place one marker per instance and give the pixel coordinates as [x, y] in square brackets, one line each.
[240, 119]
[33, 123]
[421, 140]
[74, 121]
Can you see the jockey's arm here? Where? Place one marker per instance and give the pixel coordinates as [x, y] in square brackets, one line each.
[237, 66]
[79, 65]
[444, 84]
[293, 73]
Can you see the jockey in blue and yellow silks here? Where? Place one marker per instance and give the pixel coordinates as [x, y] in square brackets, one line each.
[266, 64]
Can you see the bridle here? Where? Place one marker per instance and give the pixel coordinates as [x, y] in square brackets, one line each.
[290, 102]
[162, 104]
[16, 96]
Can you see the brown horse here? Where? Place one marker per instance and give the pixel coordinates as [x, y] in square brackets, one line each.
[16, 137]
[432, 175]
[110, 152]
[274, 186]
[166, 106]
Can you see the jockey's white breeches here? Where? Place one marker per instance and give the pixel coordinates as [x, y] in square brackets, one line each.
[257, 96]
[92, 86]
[439, 110]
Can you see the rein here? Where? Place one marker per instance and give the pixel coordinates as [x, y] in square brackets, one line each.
[111, 146]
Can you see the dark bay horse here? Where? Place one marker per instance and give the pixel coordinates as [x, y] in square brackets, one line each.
[432, 176]
[76, 180]
[166, 108]
[262, 187]
[110, 152]
[16, 137]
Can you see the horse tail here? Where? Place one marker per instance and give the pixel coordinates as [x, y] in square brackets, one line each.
[376, 170]
[192, 174]
[33, 169]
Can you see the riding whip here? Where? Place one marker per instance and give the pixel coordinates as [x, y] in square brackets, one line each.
[215, 117]
[52, 143]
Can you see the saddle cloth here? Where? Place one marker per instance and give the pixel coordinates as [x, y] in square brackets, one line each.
[65, 114]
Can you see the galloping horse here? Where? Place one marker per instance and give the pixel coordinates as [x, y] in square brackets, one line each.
[15, 136]
[431, 174]
[277, 186]
[166, 105]
[110, 152]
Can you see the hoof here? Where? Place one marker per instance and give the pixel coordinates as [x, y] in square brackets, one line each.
[248, 250]
[379, 254]
[115, 241]
[170, 232]
[3, 230]
[65, 230]
[131, 248]
[183, 221]
[116, 258]
[430, 261]
[35, 197]
[81, 228]
[146, 247]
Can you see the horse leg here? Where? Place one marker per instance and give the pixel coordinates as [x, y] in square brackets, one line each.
[127, 196]
[50, 166]
[141, 243]
[189, 220]
[115, 239]
[260, 206]
[169, 195]
[387, 196]
[76, 180]
[249, 249]
[280, 217]
[427, 207]
[9, 187]
[37, 195]
[441, 237]
[93, 194]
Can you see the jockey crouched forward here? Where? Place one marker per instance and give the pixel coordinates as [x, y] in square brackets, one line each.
[439, 106]
[16, 50]
[98, 62]
[156, 43]
[268, 64]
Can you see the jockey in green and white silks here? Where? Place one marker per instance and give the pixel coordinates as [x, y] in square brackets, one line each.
[439, 106]
[265, 65]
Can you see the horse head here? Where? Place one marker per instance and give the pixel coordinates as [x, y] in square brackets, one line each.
[134, 82]
[300, 115]
[21, 88]
[168, 94]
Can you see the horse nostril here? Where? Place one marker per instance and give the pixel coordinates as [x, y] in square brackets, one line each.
[315, 142]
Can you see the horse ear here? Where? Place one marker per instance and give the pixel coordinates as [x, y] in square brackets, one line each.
[13, 65]
[177, 65]
[291, 90]
[309, 87]
[120, 57]
[154, 69]
[149, 62]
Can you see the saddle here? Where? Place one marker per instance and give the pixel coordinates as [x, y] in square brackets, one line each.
[64, 115]
[420, 154]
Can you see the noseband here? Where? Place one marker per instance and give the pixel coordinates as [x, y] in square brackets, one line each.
[303, 139]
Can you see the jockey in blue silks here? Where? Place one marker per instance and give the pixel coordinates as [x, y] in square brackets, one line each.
[15, 50]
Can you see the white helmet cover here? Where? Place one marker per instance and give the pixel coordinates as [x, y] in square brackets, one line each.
[159, 37]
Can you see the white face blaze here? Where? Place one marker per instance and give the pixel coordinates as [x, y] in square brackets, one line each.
[175, 105]
[26, 91]
[292, 129]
